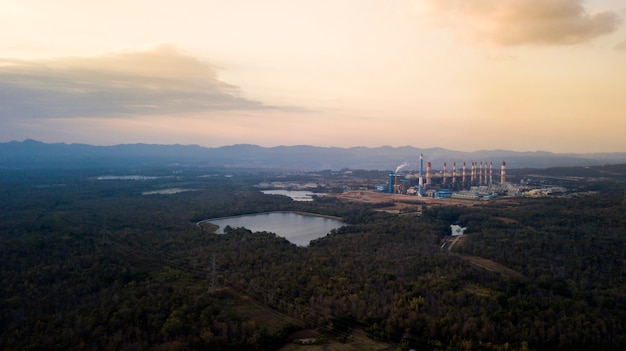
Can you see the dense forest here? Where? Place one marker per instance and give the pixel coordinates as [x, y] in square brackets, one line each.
[92, 264]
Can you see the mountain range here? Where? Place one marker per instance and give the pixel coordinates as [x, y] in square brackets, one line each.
[29, 154]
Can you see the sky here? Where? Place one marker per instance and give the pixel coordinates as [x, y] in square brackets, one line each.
[523, 75]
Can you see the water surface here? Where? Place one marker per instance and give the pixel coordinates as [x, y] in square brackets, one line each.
[298, 228]
[296, 195]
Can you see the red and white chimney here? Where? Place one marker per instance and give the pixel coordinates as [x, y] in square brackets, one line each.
[463, 176]
[473, 176]
[453, 172]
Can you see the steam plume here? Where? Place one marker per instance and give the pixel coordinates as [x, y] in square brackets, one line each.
[401, 166]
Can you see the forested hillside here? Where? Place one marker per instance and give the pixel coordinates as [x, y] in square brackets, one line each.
[95, 265]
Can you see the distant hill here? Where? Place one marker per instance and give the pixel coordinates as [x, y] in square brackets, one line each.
[35, 154]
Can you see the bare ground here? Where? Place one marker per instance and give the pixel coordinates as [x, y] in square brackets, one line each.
[275, 320]
[481, 262]
[492, 266]
[357, 341]
[398, 202]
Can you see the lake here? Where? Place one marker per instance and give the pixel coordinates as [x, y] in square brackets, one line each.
[298, 228]
[125, 177]
[168, 191]
[296, 195]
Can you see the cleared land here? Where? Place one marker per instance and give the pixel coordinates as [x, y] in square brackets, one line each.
[374, 197]
[274, 320]
[492, 266]
[480, 262]
[356, 341]
[404, 203]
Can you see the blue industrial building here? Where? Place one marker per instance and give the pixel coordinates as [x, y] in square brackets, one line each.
[443, 194]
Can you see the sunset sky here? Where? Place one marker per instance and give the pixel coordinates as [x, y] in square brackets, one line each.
[466, 75]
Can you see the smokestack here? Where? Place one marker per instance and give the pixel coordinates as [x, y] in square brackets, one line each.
[428, 173]
[453, 172]
[503, 173]
[480, 174]
[473, 175]
[421, 163]
[464, 173]
[444, 181]
[490, 172]
[421, 179]
[485, 174]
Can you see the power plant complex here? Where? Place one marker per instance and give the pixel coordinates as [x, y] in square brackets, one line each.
[476, 179]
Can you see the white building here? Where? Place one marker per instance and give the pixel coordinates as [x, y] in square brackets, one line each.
[457, 230]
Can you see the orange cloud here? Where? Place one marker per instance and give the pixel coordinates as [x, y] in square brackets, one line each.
[157, 80]
[520, 22]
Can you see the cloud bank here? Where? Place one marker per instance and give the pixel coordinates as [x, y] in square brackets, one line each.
[524, 22]
[158, 80]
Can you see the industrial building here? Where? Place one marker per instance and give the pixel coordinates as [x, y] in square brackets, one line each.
[475, 180]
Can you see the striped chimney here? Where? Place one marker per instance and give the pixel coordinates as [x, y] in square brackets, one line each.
[485, 174]
[453, 172]
[464, 173]
[473, 175]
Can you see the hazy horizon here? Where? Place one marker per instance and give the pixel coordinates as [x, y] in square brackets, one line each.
[519, 75]
[317, 146]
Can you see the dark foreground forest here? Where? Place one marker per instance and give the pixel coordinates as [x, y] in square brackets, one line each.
[91, 264]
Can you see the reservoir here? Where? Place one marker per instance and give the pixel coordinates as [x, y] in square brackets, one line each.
[298, 228]
[295, 195]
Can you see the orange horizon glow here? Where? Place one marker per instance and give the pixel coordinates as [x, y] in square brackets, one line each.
[522, 75]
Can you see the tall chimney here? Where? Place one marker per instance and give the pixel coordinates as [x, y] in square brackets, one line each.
[453, 172]
[464, 174]
[421, 179]
[485, 174]
[503, 173]
[473, 175]
[444, 181]
[480, 174]
[428, 174]
[490, 172]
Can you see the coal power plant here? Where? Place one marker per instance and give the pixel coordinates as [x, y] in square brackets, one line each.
[463, 180]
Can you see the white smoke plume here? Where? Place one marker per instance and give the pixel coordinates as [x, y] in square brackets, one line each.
[401, 166]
